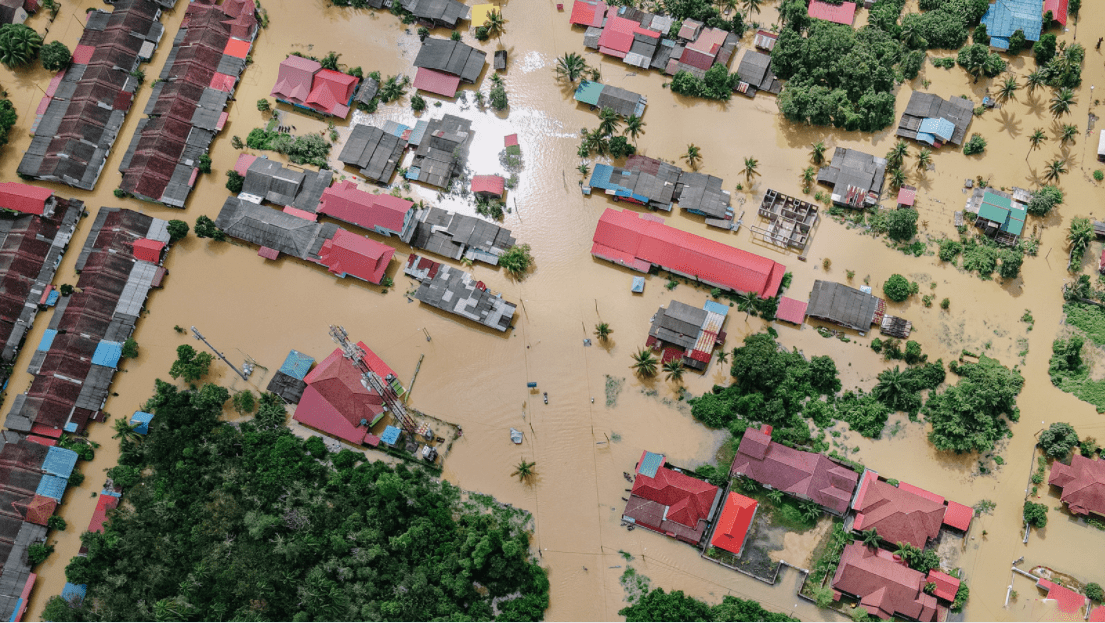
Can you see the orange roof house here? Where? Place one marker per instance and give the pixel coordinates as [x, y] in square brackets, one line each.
[734, 523]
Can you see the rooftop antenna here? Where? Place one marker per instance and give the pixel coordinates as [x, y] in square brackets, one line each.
[199, 336]
[355, 354]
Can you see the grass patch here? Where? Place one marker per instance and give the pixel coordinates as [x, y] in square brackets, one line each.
[1089, 318]
[787, 511]
[613, 388]
[1085, 389]
[827, 555]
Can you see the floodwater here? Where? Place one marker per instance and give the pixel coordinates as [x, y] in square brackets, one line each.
[477, 378]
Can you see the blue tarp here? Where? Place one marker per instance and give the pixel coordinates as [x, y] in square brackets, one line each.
[52, 487]
[413, 173]
[52, 298]
[107, 354]
[638, 284]
[717, 308]
[59, 462]
[111, 493]
[390, 436]
[47, 339]
[297, 365]
[74, 591]
[650, 463]
[142, 419]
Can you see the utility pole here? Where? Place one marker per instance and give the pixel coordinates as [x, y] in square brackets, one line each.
[199, 336]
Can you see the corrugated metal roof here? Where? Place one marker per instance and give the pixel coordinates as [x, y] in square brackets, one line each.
[141, 422]
[60, 462]
[650, 463]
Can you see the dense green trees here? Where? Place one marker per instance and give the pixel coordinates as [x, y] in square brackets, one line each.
[177, 230]
[1058, 440]
[517, 260]
[657, 605]
[901, 224]
[971, 415]
[1066, 359]
[717, 84]
[7, 119]
[19, 45]
[977, 60]
[225, 523]
[55, 56]
[945, 23]
[703, 11]
[1044, 199]
[1035, 514]
[307, 149]
[897, 288]
[190, 365]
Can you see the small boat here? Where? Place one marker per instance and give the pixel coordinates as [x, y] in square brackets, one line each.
[546, 397]
[516, 435]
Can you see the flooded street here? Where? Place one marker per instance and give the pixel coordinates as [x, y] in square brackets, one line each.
[247, 306]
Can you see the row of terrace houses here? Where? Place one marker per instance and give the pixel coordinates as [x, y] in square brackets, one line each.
[657, 184]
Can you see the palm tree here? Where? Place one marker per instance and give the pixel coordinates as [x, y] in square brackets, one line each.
[1054, 169]
[19, 45]
[1036, 138]
[809, 174]
[644, 363]
[897, 154]
[693, 156]
[673, 370]
[903, 550]
[911, 35]
[603, 331]
[125, 430]
[1079, 236]
[723, 357]
[817, 154]
[749, 170]
[1035, 80]
[924, 158]
[810, 511]
[583, 169]
[1061, 102]
[634, 127]
[609, 121]
[495, 25]
[775, 496]
[745, 303]
[1070, 132]
[750, 6]
[897, 178]
[571, 67]
[893, 388]
[524, 470]
[870, 538]
[1008, 89]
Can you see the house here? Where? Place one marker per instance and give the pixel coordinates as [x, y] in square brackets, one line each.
[907, 196]
[999, 214]
[806, 475]
[488, 186]
[441, 154]
[791, 310]
[26, 199]
[382, 213]
[755, 75]
[601, 96]
[640, 242]
[710, 46]
[856, 178]
[766, 40]
[81, 114]
[618, 36]
[654, 187]
[670, 502]
[437, 13]
[338, 403]
[455, 235]
[885, 586]
[347, 254]
[268, 180]
[1082, 483]
[270, 229]
[302, 82]
[456, 292]
[845, 306]
[449, 58]
[842, 13]
[900, 514]
[1058, 10]
[370, 87]
[734, 523]
[688, 334]
[1004, 17]
[187, 107]
[12, 12]
[699, 193]
[1066, 600]
[933, 120]
[141, 422]
[588, 13]
[375, 152]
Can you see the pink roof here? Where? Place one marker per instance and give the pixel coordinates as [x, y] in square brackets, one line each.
[804, 474]
[1058, 10]
[898, 514]
[223, 116]
[345, 202]
[43, 104]
[791, 310]
[694, 58]
[624, 237]
[331, 92]
[885, 586]
[241, 166]
[491, 184]
[1097, 615]
[1083, 484]
[24, 198]
[510, 140]
[45, 294]
[268, 253]
[617, 37]
[310, 216]
[433, 81]
[54, 82]
[689, 500]
[223, 82]
[587, 13]
[734, 522]
[40, 509]
[349, 254]
[905, 486]
[844, 13]
[103, 505]
[82, 54]
[906, 196]
[1065, 599]
[958, 516]
[148, 250]
[237, 48]
[295, 79]
[946, 585]
[709, 41]
[336, 402]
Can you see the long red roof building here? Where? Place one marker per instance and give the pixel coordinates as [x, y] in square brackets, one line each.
[640, 242]
[381, 213]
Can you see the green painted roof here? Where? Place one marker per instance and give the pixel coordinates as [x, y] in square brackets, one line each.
[588, 92]
[1013, 226]
[998, 200]
[992, 212]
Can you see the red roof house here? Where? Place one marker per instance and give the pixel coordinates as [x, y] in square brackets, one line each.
[588, 13]
[1058, 10]
[40, 509]
[381, 213]
[844, 13]
[628, 239]
[303, 82]
[791, 310]
[670, 502]
[295, 79]
[1097, 615]
[896, 513]
[907, 195]
[885, 586]
[734, 523]
[24, 198]
[617, 36]
[349, 254]
[99, 517]
[337, 403]
[946, 585]
[437, 82]
[958, 516]
[1065, 599]
[492, 186]
[1083, 484]
[148, 250]
[803, 474]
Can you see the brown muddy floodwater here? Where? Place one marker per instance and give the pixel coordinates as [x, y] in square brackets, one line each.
[476, 378]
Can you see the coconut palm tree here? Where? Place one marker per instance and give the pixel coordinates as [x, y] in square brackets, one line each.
[893, 388]
[583, 169]
[609, 121]
[125, 430]
[693, 156]
[723, 356]
[19, 45]
[924, 158]
[603, 331]
[634, 127]
[1035, 80]
[750, 6]
[870, 538]
[1008, 89]
[495, 25]
[1079, 236]
[749, 170]
[644, 363]
[1061, 102]
[673, 370]
[745, 303]
[817, 154]
[1035, 139]
[911, 35]
[897, 154]
[571, 67]
[1054, 169]
[809, 174]
[1070, 132]
[524, 470]
[897, 178]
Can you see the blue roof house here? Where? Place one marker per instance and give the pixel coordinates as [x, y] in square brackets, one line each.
[1004, 17]
[297, 365]
[141, 422]
[390, 436]
[59, 462]
[933, 131]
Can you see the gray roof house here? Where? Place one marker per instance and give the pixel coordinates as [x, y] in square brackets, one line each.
[438, 12]
[756, 75]
[922, 106]
[702, 194]
[442, 152]
[369, 88]
[855, 177]
[455, 235]
[456, 292]
[625, 103]
[266, 227]
[845, 306]
[375, 152]
[451, 57]
[694, 330]
[268, 180]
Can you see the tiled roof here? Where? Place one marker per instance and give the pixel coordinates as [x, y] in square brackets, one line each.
[490, 184]
[885, 586]
[345, 202]
[99, 517]
[791, 310]
[336, 402]
[331, 92]
[958, 516]
[1065, 599]
[1058, 10]
[805, 474]
[734, 522]
[295, 78]
[946, 585]
[897, 514]
[843, 13]
[434, 81]
[688, 499]
[349, 254]
[1083, 484]
[148, 250]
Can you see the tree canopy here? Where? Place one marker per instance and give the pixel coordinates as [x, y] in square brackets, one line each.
[1058, 440]
[657, 605]
[971, 415]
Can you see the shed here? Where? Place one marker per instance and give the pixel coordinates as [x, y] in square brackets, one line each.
[52, 487]
[639, 282]
[500, 59]
[734, 523]
[842, 305]
[958, 516]
[907, 195]
[791, 310]
[488, 186]
[141, 422]
[297, 365]
[390, 436]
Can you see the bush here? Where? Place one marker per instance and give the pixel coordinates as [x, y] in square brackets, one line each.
[1094, 592]
[482, 34]
[56, 522]
[418, 103]
[206, 228]
[1044, 49]
[130, 349]
[244, 402]
[961, 597]
[517, 260]
[1017, 42]
[945, 304]
[902, 224]
[1035, 514]
[263, 105]
[1098, 175]
[497, 96]
[896, 288]
[76, 478]
[975, 145]
[39, 552]
[55, 56]
[234, 182]
[949, 249]
[1058, 440]
[1011, 260]
[177, 230]
[204, 163]
[7, 119]
[911, 64]
[1044, 200]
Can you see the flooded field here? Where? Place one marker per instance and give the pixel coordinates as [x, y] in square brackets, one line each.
[247, 306]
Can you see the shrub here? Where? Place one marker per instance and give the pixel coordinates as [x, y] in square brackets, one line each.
[945, 304]
[949, 249]
[497, 96]
[975, 145]
[39, 552]
[1098, 175]
[902, 224]
[1058, 440]
[76, 478]
[896, 288]
[1044, 49]
[206, 228]
[418, 103]
[55, 56]
[1044, 200]
[56, 522]
[234, 182]
[1035, 514]
[1017, 42]
[19, 45]
[130, 348]
[482, 34]
[244, 402]
[1094, 592]
[517, 260]
[263, 105]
